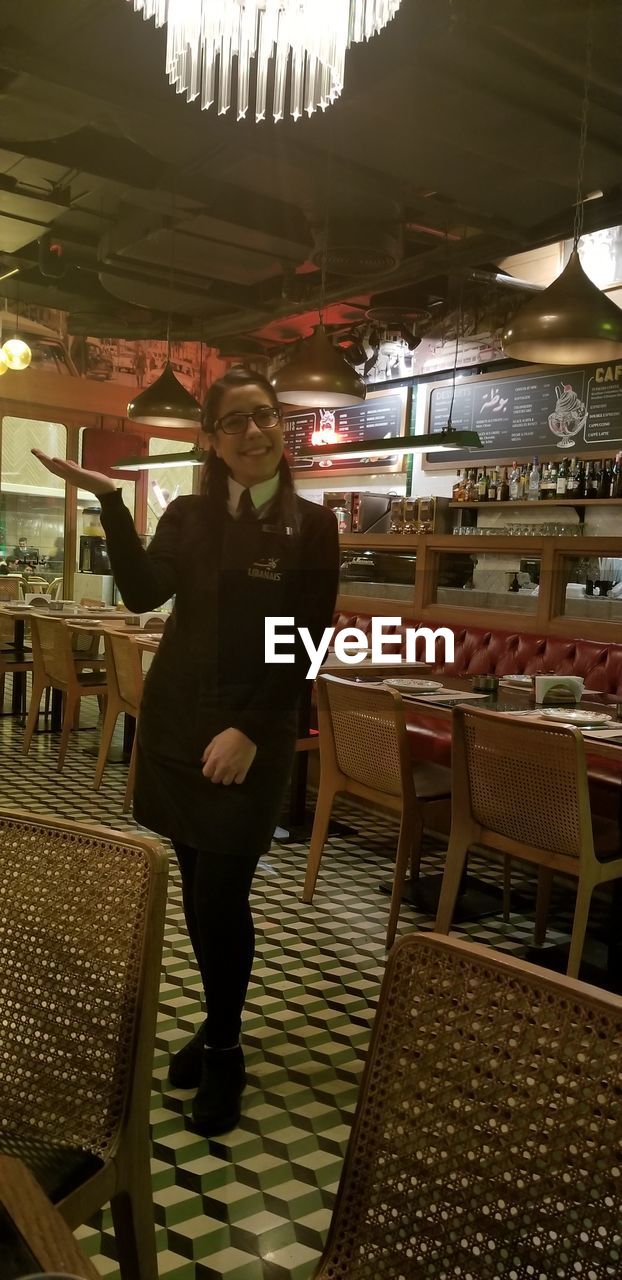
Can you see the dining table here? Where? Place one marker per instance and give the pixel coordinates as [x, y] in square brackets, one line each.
[603, 740]
[34, 1237]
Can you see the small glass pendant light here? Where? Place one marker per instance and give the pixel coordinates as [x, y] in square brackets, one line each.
[15, 353]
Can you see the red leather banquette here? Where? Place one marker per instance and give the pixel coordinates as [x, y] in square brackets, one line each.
[481, 652]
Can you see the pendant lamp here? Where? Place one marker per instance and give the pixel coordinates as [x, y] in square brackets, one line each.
[15, 353]
[165, 403]
[573, 321]
[319, 376]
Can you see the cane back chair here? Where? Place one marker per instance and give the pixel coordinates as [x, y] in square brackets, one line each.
[487, 1136]
[520, 789]
[125, 688]
[57, 665]
[81, 927]
[364, 754]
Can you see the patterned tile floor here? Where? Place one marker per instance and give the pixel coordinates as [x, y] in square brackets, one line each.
[256, 1202]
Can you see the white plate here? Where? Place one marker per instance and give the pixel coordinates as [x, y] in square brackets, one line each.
[524, 680]
[575, 717]
[414, 686]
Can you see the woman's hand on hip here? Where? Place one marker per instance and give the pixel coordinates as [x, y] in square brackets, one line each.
[93, 481]
[228, 757]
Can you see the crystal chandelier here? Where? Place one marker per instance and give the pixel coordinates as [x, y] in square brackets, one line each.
[205, 36]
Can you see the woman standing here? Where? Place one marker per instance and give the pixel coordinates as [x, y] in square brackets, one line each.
[217, 727]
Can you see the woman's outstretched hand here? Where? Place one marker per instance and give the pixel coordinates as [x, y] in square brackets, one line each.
[93, 481]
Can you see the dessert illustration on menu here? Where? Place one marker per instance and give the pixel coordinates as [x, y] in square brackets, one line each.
[569, 416]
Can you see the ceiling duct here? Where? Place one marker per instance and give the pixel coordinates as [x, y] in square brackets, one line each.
[359, 248]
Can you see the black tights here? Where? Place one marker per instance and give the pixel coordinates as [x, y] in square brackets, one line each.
[216, 888]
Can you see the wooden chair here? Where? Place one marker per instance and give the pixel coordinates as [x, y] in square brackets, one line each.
[520, 790]
[82, 912]
[364, 754]
[486, 1140]
[12, 662]
[56, 587]
[55, 666]
[125, 688]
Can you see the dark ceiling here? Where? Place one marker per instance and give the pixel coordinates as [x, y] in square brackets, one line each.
[454, 143]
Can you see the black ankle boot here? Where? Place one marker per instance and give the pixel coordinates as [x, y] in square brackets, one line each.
[216, 1108]
[184, 1070]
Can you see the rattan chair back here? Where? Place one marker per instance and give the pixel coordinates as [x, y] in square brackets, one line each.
[81, 911]
[364, 722]
[10, 589]
[527, 782]
[52, 648]
[487, 1136]
[123, 664]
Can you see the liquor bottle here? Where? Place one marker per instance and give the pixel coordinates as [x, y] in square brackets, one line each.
[523, 483]
[591, 481]
[545, 481]
[603, 483]
[492, 486]
[482, 486]
[503, 488]
[576, 480]
[616, 490]
[514, 483]
[457, 492]
[562, 478]
[553, 469]
[605, 480]
[471, 487]
[533, 482]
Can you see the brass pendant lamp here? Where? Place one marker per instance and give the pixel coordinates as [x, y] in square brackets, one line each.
[319, 376]
[573, 321]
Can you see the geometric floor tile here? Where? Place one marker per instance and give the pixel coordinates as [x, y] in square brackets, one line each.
[255, 1204]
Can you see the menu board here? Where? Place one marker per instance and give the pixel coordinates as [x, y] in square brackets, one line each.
[534, 411]
[381, 416]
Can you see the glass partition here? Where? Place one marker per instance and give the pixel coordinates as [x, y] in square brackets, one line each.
[166, 483]
[32, 504]
[492, 580]
[592, 588]
[385, 574]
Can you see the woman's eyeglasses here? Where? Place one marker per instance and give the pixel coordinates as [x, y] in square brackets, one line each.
[265, 417]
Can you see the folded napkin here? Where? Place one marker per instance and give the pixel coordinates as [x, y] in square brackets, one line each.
[606, 735]
[442, 695]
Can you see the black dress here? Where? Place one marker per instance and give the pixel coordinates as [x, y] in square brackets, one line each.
[209, 673]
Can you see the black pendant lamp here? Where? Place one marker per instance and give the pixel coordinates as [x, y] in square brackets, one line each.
[319, 376]
[165, 403]
[573, 321]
